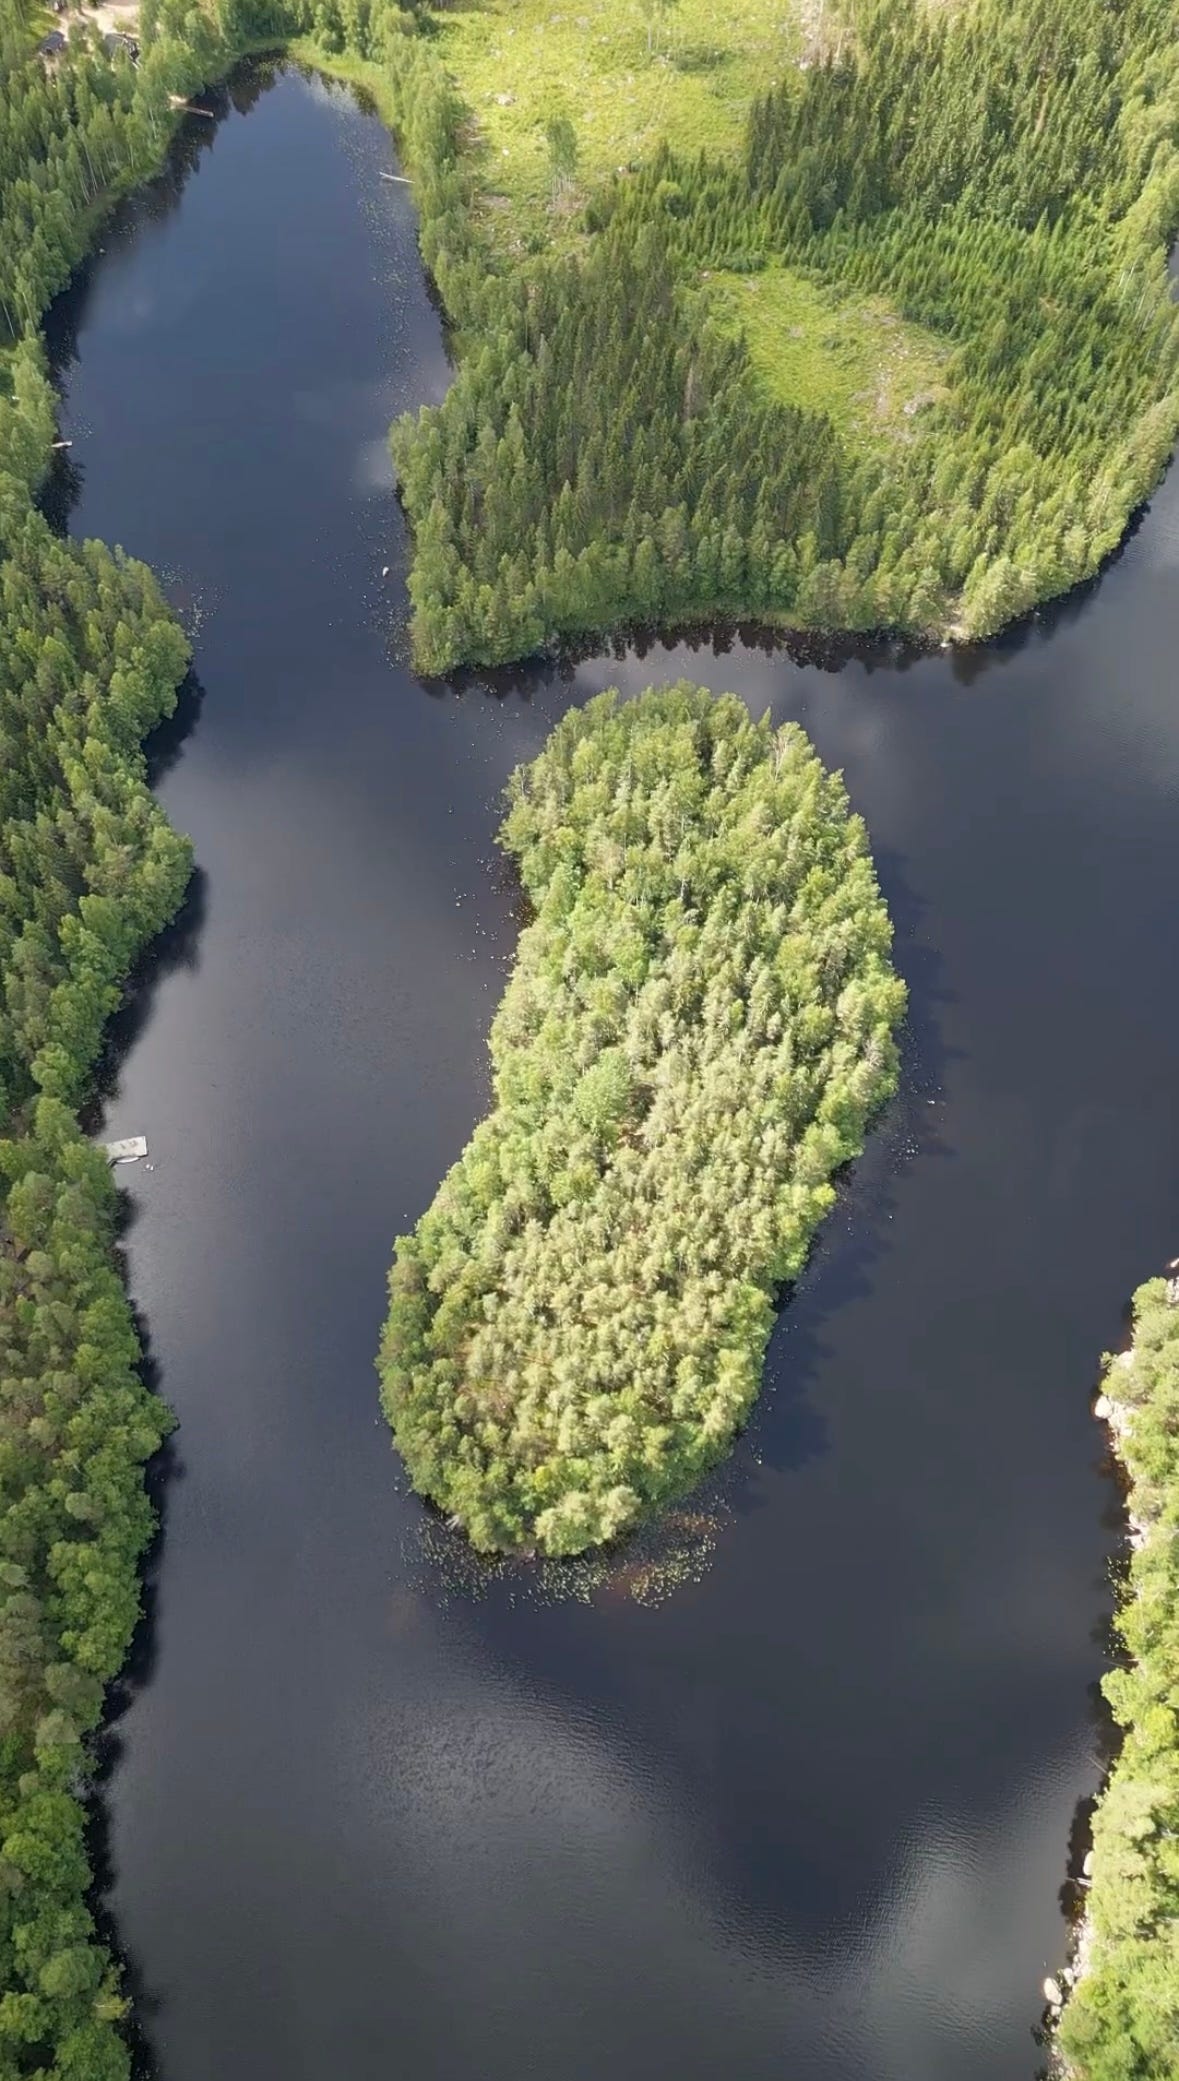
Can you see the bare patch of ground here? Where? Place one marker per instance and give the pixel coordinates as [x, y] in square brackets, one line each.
[109, 17]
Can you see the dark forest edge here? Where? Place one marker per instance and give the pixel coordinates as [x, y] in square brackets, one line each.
[90, 872]
[605, 452]
[1121, 2014]
[698, 1027]
[1007, 175]
[90, 659]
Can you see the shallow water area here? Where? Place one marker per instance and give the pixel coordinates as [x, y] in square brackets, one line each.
[796, 1800]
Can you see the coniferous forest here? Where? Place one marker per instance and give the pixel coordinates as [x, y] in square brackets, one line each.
[698, 1027]
[1121, 2020]
[90, 871]
[701, 1016]
[1007, 174]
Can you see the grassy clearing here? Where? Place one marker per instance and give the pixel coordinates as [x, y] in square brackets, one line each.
[833, 351]
[626, 79]
[623, 78]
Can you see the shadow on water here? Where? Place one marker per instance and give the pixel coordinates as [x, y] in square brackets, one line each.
[712, 639]
[177, 947]
[153, 203]
[163, 1472]
[1107, 1734]
[66, 317]
[875, 650]
[167, 740]
[788, 1428]
[62, 489]
[874, 1664]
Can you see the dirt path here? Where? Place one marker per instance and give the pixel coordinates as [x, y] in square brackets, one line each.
[112, 15]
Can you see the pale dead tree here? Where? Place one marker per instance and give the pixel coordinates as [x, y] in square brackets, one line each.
[657, 15]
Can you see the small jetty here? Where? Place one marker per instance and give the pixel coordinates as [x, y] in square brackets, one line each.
[129, 1150]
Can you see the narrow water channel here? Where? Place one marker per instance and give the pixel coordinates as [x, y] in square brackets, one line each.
[805, 1816]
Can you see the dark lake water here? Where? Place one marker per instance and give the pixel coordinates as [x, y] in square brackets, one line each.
[805, 1816]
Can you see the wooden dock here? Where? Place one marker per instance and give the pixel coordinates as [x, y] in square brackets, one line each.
[129, 1150]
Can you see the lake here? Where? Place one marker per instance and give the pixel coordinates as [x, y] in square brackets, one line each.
[785, 1792]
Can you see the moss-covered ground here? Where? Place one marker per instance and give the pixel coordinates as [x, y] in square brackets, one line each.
[629, 75]
[625, 76]
[817, 345]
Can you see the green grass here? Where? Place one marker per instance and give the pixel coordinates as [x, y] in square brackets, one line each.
[518, 63]
[834, 351]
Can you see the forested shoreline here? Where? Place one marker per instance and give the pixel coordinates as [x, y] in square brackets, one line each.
[604, 454]
[1010, 176]
[698, 1027]
[90, 662]
[1121, 2017]
[608, 454]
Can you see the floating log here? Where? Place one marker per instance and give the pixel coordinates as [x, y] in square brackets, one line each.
[129, 1150]
[63, 444]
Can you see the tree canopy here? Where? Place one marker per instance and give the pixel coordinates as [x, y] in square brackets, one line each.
[90, 660]
[1121, 2021]
[697, 1029]
[1007, 174]
[1004, 173]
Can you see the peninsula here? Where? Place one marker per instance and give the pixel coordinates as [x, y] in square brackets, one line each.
[842, 318]
[847, 318]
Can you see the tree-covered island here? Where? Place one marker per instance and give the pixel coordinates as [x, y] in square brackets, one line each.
[697, 1029]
